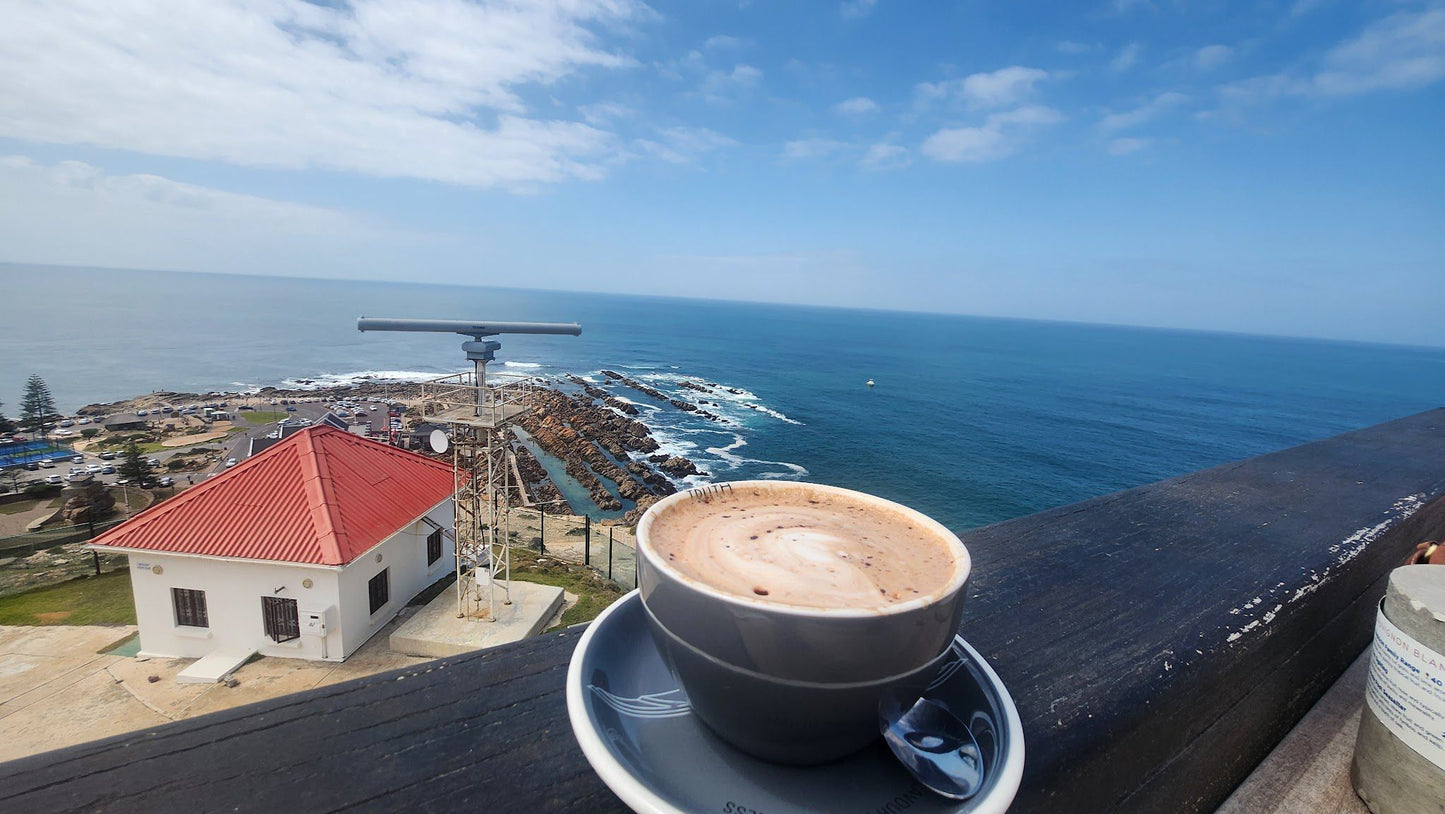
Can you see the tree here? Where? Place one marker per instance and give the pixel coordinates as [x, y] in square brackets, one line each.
[37, 406]
[133, 466]
[6, 425]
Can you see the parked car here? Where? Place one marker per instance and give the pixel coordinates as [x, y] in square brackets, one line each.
[67, 423]
[152, 462]
[107, 456]
[142, 413]
[122, 481]
[79, 459]
[32, 466]
[107, 470]
[54, 480]
[46, 464]
[94, 468]
[230, 462]
[166, 482]
[290, 409]
[82, 420]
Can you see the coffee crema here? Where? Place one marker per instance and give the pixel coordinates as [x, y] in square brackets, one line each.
[809, 548]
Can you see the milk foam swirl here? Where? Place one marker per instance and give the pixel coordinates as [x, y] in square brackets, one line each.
[815, 550]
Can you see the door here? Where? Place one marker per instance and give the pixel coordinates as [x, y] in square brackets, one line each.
[283, 621]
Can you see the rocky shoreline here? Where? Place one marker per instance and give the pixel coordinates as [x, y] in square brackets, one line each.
[595, 434]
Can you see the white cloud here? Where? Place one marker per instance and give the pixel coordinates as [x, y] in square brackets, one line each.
[1143, 113]
[1212, 56]
[82, 180]
[1001, 88]
[424, 89]
[1303, 7]
[1405, 51]
[1124, 146]
[719, 42]
[1074, 48]
[808, 148]
[604, 113]
[1000, 135]
[75, 213]
[1401, 52]
[1127, 58]
[857, 106]
[857, 9]
[724, 86]
[683, 145]
[885, 156]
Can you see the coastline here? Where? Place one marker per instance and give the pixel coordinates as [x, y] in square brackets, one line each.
[605, 450]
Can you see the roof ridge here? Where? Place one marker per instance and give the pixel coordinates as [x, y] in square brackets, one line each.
[316, 478]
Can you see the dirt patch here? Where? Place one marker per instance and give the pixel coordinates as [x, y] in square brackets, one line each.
[188, 440]
[53, 616]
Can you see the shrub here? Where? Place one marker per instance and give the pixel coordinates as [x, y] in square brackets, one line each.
[89, 432]
[41, 490]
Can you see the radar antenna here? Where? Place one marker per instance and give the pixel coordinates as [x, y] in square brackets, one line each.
[483, 465]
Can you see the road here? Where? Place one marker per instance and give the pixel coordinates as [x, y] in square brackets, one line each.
[236, 445]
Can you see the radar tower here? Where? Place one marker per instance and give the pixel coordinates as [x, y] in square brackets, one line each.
[484, 469]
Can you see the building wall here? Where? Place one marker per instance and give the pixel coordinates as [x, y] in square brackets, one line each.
[233, 605]
[403, 555]
[234, 590]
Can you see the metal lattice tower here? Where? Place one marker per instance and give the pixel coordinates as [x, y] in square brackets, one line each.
[483, 465]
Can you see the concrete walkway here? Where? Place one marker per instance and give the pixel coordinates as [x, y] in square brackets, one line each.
[1309, 771]
[56, 690]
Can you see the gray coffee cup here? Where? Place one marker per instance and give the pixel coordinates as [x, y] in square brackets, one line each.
[794, 722]
[744, 661]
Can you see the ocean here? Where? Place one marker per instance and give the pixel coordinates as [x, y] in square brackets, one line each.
[971, 420]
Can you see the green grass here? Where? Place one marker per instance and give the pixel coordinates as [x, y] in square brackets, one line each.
[262, 418]
[593, 592]
[19, 506]
[102, 600]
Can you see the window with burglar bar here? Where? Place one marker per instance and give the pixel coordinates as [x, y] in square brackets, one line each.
[434, 547]
[283, 621]
[380, 590]
[190, 607]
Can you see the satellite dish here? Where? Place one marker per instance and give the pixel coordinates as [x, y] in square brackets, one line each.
[438, 441]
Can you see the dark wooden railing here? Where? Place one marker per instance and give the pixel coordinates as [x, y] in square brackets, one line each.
[1158, 641]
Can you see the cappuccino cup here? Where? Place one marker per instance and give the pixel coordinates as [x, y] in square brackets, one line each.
[787, 610]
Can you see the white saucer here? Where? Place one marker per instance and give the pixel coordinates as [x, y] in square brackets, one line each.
[637, 730]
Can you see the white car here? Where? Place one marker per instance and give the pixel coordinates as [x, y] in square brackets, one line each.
[230, 462]
[94, 469]
[54, 479]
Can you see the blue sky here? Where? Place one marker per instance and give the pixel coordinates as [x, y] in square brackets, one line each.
[1266, 167]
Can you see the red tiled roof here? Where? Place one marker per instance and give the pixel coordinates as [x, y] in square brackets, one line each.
[321, 496]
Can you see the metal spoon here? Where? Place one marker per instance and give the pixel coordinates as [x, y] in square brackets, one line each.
[934, 745]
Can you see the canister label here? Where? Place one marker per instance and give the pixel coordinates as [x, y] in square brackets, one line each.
[1406, 690]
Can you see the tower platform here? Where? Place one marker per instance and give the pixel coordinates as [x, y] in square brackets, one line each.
[436, 631]
[491, 416]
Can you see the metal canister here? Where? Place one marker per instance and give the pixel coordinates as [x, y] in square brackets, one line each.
[1399, 765]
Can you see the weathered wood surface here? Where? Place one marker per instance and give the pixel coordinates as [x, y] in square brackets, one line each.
[1158, 641]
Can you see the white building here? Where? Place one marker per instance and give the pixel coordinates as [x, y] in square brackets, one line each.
[303, 551]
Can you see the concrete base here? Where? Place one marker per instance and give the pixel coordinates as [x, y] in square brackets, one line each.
[215, 667]
[435, 630]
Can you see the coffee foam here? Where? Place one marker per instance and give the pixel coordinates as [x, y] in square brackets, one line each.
[805, 547]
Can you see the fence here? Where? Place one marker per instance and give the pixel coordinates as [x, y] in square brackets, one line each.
[609, 550]
[51, 556]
